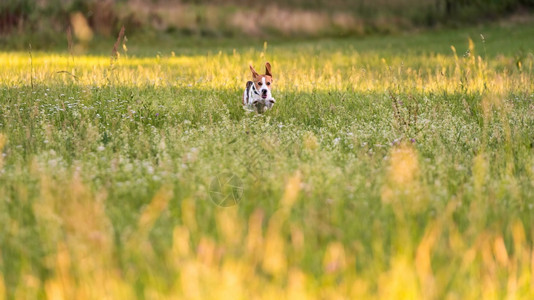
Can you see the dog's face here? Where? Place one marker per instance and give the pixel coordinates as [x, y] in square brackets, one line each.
[264, 82]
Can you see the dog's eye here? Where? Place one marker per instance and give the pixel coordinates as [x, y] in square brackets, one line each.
[259, 83]
[268, 83]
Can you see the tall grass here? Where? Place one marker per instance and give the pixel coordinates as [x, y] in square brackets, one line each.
[377, 174]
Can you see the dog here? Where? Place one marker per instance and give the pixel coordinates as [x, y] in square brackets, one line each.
[257, 95]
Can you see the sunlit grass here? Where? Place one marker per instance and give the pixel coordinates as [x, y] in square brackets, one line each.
[376, 175]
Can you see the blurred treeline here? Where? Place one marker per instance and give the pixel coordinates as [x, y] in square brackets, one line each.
[246, 17]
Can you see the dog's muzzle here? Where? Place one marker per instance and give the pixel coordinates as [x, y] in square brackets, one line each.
[264, 94]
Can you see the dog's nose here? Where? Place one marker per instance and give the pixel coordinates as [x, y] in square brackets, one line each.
[264, 91]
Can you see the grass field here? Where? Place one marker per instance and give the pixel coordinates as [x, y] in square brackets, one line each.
[390, 167]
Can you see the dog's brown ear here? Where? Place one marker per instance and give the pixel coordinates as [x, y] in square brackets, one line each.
[254, 73]
[268, 69]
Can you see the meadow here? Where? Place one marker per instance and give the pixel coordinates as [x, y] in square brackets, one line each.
[396, 167]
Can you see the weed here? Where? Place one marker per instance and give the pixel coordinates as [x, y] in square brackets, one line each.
[401, 172]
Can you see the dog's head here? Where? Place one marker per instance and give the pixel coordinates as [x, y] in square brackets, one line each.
[264, 82]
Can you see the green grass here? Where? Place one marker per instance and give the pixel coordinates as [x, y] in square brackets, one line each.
[390, 167]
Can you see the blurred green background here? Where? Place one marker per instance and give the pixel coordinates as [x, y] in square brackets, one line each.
[45, 23]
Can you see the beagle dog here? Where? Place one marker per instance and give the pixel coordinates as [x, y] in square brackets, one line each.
[257, 95]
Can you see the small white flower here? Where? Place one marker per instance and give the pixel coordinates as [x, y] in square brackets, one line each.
[52, 163]
[100, 148]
